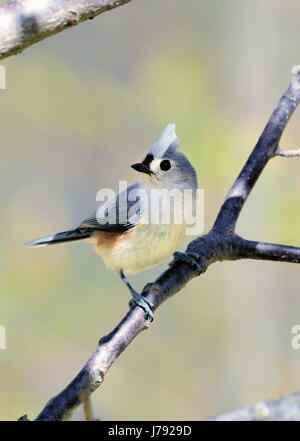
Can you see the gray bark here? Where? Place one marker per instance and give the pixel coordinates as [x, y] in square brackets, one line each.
[285, 409]
[25, 22]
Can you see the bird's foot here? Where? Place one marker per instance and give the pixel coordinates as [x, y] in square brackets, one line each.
[192, 259]
[143, 302]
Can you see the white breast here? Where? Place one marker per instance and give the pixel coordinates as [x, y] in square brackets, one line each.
[144, 246]
[151, 245]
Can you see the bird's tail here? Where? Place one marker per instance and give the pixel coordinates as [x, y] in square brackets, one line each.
[65, 236]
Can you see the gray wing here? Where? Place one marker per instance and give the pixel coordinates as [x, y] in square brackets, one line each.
[119, 214]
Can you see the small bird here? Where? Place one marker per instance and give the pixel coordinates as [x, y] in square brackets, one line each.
[125, 237]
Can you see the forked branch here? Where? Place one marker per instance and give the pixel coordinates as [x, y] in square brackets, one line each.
[221, 243]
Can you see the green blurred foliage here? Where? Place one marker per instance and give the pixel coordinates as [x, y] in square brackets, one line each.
[78, 110]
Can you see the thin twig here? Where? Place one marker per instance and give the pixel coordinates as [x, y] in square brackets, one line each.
[87, 408]
[287, 153]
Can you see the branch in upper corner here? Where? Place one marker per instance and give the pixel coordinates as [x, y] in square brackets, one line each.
[287, 153]
[285, 409]
[25, 23]
[248, 249]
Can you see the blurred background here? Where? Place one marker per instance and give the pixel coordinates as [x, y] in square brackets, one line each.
[101, 93]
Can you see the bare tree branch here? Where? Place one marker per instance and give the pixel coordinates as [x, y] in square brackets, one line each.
[264, 150]
[221, 243]
[25, 22]
[287, 153]
[285, 409]
[247, 249]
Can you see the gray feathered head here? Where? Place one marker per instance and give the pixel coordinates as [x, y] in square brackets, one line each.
[166, 165]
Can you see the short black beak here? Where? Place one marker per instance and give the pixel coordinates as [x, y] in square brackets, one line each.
[142, 168]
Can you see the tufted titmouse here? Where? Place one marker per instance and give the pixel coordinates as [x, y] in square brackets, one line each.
[129, 229]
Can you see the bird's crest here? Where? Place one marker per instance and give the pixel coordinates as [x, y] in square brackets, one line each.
[167, 143]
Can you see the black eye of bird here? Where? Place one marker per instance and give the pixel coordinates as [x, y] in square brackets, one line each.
[165, 165]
